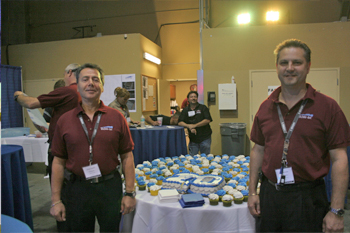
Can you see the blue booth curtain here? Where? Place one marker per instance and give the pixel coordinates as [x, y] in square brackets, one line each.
[11, 81]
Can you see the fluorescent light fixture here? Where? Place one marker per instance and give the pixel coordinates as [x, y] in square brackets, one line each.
[244, 18]
[272, 15]
[151, 58]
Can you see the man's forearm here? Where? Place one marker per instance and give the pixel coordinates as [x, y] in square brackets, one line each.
[27, 101]
[57, 178]
[128, 170]
[340, 176]
[256, 158]
[202, 123]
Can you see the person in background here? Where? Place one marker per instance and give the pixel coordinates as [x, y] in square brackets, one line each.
[122, 96]
[86, 146]
[48, 111]
[297, 131]
[61, 100]
[184, 103]
[173, 120]
[196, 117]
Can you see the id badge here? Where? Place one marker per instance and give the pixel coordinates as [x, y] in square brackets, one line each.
[191, 113]
[92, 171]
[288, 173]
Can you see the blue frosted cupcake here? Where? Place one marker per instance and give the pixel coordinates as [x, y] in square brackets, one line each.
[142, 185]
[221, 193]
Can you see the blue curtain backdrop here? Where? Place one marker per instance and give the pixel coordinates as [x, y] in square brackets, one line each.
[11, 81]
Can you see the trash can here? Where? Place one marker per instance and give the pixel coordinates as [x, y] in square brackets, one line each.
[233, 138]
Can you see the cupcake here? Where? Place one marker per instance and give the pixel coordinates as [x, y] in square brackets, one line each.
[153, 176]
[213, 199]
[245, 195]
[189, 167]
[227, 200]
[160, 180]
[142, 185]
[205, 170]
[220, 193]
[238, 198]
[148, 174]
[154, 190]
[149, 185]
[153, 180]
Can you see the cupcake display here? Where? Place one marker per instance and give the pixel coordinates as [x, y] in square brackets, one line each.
[238, 198]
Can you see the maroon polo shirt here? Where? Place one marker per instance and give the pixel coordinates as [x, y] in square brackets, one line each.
[61, 100]
[322, 126]
[113, 137]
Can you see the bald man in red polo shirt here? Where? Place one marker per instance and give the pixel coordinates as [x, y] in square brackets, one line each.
[297, 131]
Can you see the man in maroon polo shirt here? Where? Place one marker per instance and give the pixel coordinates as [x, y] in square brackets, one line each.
[61, 100]
[297, 131]
[86, 145]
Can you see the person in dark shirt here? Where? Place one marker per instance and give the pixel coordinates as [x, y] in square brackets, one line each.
[196, 117]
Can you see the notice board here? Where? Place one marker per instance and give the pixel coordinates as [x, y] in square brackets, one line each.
[149, 94]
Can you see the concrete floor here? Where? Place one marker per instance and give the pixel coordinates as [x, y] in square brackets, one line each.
[40, 195]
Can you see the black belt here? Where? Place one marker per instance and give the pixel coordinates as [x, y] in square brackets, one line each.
[71, 177]
[297, 186]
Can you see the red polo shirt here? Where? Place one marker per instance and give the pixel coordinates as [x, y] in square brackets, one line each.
[61, 100]
[113, 137]
[322, 126]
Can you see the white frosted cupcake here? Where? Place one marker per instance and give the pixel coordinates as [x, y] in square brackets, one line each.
[227, 200]
[213, 199]
[154, 190]
[153, 180]
[227, 188]
[238, 198]
[200, 172]
[240, 187]
[168, 173]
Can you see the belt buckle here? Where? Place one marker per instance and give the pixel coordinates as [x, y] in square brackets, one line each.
[94, 180]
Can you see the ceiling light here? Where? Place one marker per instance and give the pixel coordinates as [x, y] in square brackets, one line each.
[151, 58]
[244, 18]
[272, 15]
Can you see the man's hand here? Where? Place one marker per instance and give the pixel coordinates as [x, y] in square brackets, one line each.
[128, 205]
[58, 211]
[254, 205]
[154, 123]
[17, 93]
[191, 126]
[194, 131]
[332, 223]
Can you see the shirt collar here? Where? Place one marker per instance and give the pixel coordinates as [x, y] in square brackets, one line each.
[310, 93]
[79, 109]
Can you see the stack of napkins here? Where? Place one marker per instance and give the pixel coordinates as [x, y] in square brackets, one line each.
[191, 200]
[168, 195]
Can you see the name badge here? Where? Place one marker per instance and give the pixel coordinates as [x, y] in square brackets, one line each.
[191, 113]
[92, 171]
[288, 173]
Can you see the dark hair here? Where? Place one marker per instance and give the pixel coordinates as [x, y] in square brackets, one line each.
[91, 66]
[296, 44]
[59, 83]
[191, 92]
[121, 92]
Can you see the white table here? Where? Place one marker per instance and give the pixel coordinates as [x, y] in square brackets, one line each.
[151, 216]
[35, 149]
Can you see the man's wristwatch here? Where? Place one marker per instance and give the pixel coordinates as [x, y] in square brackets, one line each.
[16, 97]
[338, 212]
[132, 194]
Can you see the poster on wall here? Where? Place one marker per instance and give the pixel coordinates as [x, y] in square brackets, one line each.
[126, 81]
[270, 89]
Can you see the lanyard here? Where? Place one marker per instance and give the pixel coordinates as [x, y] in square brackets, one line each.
[93, 133]
[287, 135]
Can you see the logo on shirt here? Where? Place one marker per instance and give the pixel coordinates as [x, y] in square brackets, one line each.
[109, 128]
[306, 116]
[198, 111]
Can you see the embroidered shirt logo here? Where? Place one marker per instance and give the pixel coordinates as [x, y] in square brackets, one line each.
[109, 128]
[306, 116]
[198, 111]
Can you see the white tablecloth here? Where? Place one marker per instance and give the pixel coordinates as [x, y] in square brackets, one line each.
[35, 149]
[151, 216]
